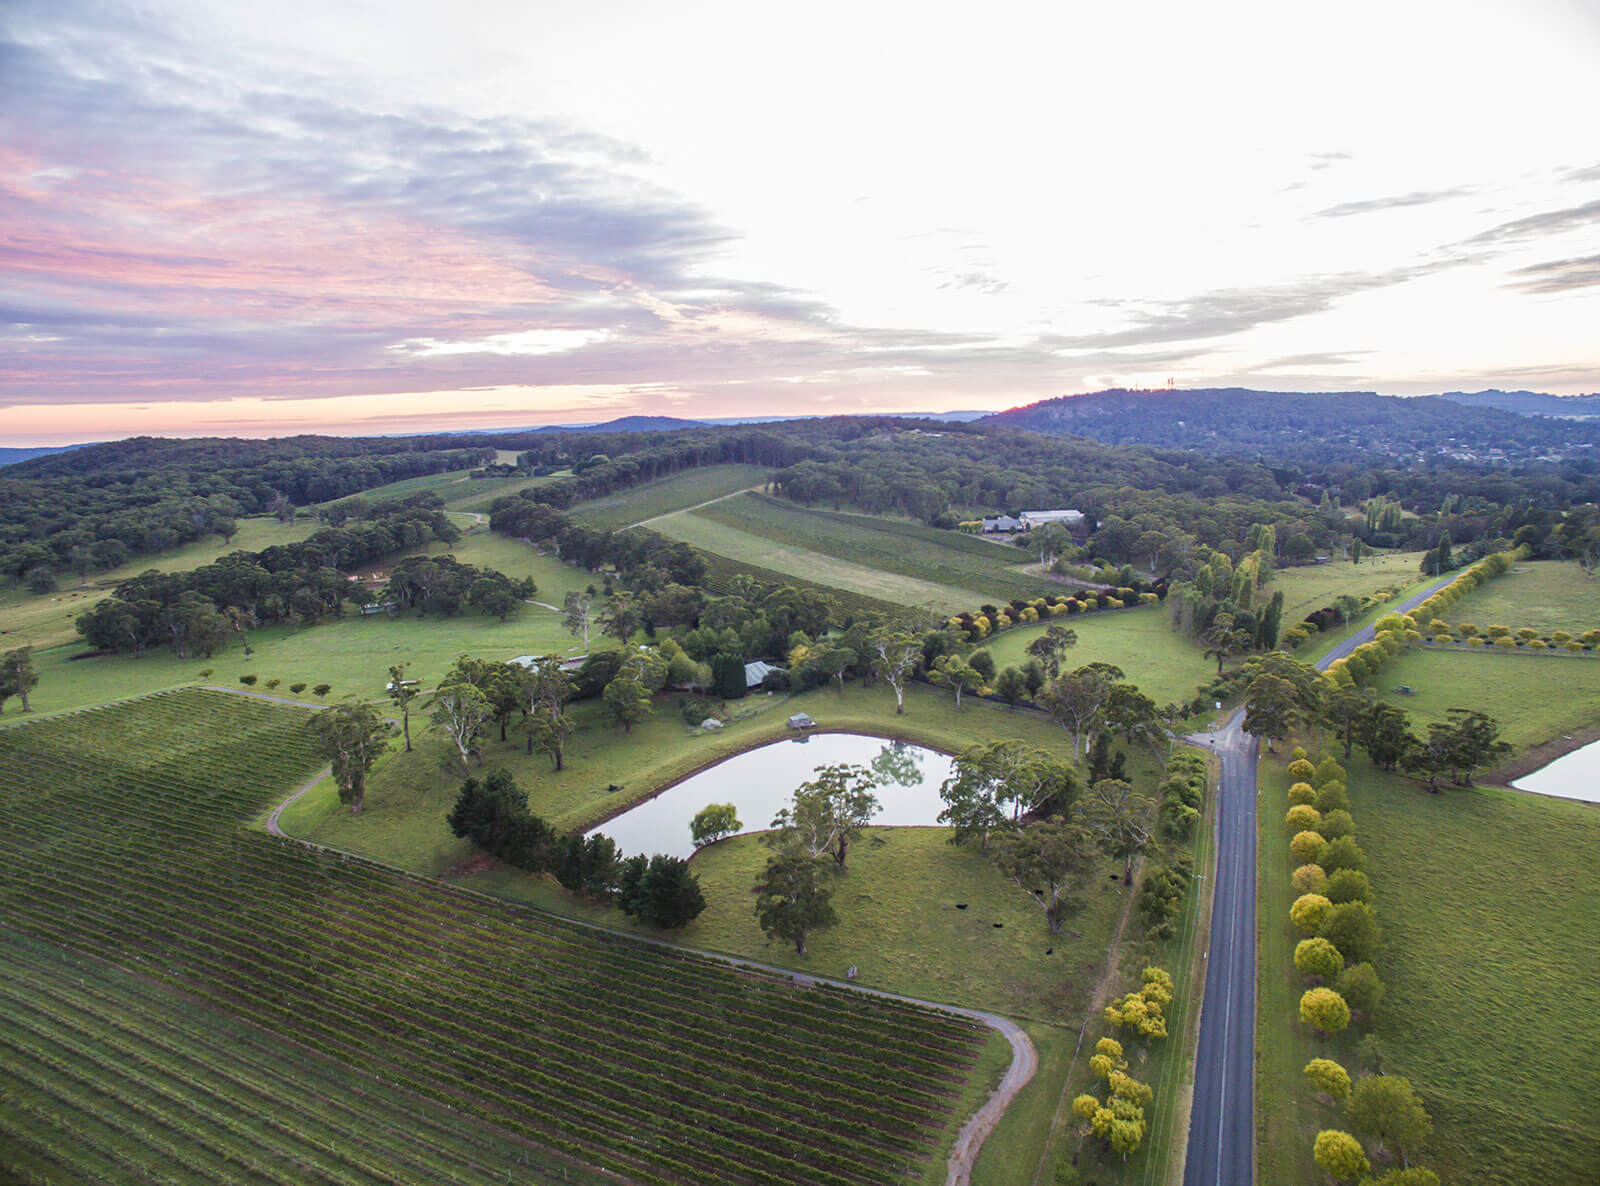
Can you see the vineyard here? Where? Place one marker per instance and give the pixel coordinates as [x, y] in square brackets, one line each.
[187, 1001]
[990, 572]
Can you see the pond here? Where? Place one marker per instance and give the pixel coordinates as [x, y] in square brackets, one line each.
[1571, 776]
[761, 782]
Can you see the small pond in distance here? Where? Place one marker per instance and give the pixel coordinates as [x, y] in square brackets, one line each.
[1571, 776]
[760, 783]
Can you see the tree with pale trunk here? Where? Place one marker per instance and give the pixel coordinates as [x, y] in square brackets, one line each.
[1078, 700]
[402, 691]
[827, 813]
[896, 650]
[1120, 819]
[575, 615]
[460, 711]
[352, 737]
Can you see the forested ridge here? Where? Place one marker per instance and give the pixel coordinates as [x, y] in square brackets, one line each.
[1357, 428]
[98, 507]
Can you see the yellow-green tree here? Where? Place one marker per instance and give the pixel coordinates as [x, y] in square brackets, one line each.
[1340, 1155]
[1317, 957]
[1328, 1077]
[1324, 1009]
[1309, 911]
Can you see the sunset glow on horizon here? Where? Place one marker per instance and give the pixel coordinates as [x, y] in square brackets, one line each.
[359, 218]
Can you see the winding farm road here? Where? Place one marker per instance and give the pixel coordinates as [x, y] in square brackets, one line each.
[1222, 1117]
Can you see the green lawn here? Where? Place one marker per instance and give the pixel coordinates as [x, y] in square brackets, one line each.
[1167, 666]
[46, 620]
[1516, 689]
[1486, 898]
[664, 497]
[1546, 595]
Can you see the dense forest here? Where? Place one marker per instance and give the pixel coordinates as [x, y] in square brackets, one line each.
[95, 508]
[1315, 429]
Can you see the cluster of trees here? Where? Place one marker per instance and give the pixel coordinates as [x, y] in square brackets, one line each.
[195, 612]
[988, 619]
[1117, 1117]
[650, 561]
[96, 508]
[1180, 800]
[1334, 909]
[1221, 604]
[1041, 825]
[1282, 694]
[493, 813]
[444, 585]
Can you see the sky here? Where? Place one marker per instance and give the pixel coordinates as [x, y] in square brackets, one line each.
[378, 216]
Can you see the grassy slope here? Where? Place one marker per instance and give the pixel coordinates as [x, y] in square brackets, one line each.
[1546, 595]
[46, 620]
[663, 497]
[1515, 689]
[352, 653]
[1489, 958]
[1141, 641]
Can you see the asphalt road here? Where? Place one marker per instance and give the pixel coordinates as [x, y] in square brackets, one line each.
[1222, 1118]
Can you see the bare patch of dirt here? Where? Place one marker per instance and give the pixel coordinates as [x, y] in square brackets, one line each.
[478, 862]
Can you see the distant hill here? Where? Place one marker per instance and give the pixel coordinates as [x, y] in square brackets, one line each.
[626, 424]
[1528, 403]
[12, 456]
[1357, 427]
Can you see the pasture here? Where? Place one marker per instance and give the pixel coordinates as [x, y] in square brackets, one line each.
[121, 837]
[1166, 666]
[1546, 595]
[642, 504]
[1516, 689]
[1483, 897]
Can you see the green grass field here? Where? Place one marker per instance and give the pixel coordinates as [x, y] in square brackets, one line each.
[919, 942]
[43, 620]
[1167, 666]
[1310, 587]
[120, 833]
[1545, 595]
[1485, 898]
[669, 495]
[1516, 689]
